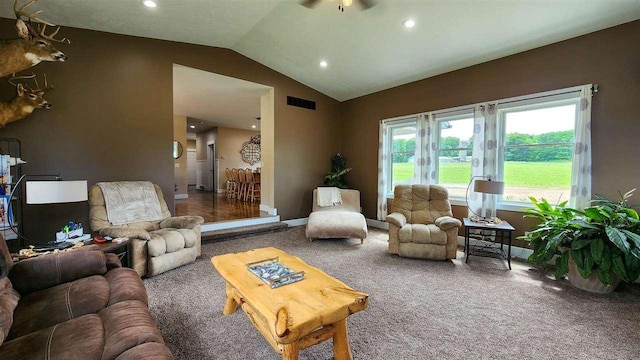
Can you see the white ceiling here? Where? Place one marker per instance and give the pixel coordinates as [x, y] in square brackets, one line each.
[210, 99]
[367, 51]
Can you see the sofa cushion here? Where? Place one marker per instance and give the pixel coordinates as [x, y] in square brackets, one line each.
[336, 224]
[422, 234]
[127, 324]
[125, 284]
[8, 302]
[159, 264]
[80, 338]
[156, 246]
[423, 251]
[190, 237]
[44, 308]
[173, 239]
[147, 351]
[49, 270]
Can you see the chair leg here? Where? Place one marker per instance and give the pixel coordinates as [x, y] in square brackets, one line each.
[361, 241]
[310, 240]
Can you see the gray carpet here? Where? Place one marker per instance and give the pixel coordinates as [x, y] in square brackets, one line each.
[418, 309]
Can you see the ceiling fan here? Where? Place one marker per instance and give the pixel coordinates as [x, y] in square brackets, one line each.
[341, 3]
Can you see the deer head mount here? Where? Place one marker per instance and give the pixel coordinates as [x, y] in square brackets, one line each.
[33, 45]
[28, 99]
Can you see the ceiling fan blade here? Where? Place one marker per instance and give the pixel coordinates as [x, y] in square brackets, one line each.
[309, 3]
[366, 4]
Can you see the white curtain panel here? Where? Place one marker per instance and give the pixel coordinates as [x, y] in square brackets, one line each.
[383, 169]
[484, 157]
[420, 161]
[581, 167]
[430, 150]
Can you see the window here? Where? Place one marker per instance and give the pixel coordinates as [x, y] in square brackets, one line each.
[537, 150]
[402, 140]
[538, 144]
[455, 143]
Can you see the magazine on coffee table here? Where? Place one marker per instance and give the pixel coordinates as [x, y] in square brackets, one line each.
[273, 273]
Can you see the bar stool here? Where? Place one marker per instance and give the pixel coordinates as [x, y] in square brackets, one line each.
[253, 191]
[242, 185]
[229, 183]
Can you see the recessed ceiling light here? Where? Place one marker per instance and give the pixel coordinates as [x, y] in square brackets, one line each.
[324, 63]
[253, 126]
[409, 23]
[149, 3]
[192, 126]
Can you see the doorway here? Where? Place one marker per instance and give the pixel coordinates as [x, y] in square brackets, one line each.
[223, 113]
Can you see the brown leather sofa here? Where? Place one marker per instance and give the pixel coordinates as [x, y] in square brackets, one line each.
[79, 304]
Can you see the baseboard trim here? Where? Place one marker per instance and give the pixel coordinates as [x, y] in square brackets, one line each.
[239, 223]
[297, 222]
[268, 209]
[181, 196]
[378, 224]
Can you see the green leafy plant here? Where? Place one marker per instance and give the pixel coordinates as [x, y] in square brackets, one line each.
[336, 177]
[604, 238]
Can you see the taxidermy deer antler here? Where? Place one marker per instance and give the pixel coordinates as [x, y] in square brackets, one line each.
[33, 44]
[28, 99]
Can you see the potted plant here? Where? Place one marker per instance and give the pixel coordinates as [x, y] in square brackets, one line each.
[597, 247]
[336, 176]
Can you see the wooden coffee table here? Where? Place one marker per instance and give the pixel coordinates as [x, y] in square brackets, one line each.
[296, 316]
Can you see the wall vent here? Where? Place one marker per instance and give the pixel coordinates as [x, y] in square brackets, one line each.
[307, 104]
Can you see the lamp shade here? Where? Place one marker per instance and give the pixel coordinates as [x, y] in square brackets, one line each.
[54, 192]
[489, 187]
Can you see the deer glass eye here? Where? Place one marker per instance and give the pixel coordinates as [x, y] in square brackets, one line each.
[32, 96]
[42, 43]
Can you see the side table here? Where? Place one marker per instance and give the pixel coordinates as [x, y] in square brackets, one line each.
[123, 250]
[503, 231]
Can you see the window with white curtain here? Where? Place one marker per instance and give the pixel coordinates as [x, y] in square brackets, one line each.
[402, 138]
[539, 145]
[536, 150]
[455, 144]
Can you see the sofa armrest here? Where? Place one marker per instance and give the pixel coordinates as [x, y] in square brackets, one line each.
[182, 222]
[397, 219]
[112, 261]
[446, 223]
[128, 232]
[49, 270]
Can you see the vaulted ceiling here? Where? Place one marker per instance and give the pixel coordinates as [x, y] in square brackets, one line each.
[365, 50]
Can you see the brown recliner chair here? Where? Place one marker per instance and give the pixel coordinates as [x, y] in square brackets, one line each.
[156, 246]
[421, 223]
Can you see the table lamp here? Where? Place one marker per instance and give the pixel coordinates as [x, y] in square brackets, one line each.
[50, 192]
[484, 185]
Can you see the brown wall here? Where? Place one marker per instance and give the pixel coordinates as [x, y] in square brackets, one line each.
[202, 139]
[609, 58]
[112, 118]
[230, 143]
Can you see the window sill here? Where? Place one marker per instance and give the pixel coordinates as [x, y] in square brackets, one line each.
[510, 206]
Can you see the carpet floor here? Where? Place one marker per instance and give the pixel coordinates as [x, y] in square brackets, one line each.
[418, 309]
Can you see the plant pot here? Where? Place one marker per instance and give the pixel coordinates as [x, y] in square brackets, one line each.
[592, 283]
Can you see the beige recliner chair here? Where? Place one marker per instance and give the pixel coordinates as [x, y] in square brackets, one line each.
[421, 223]
[156, 246]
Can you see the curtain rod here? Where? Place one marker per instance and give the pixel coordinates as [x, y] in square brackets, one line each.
[538, 97]
[576, 89]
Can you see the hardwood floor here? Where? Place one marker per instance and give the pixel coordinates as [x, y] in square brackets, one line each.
[216, 207]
